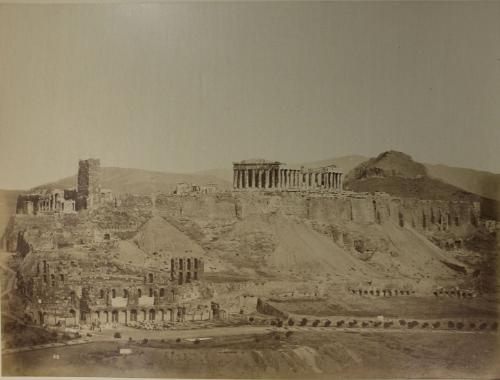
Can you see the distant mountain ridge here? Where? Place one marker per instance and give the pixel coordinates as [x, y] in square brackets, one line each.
[124, 180]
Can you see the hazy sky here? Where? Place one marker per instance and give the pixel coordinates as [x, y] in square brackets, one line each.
[194, 86]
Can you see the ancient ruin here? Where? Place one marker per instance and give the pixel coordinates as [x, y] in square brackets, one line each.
[274, 175]
[87, 194]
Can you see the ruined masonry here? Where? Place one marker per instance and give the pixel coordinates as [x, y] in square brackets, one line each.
[274, 175]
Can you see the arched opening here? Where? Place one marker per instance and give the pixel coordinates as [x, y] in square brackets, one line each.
[61, 277]
[424, 221]
[106, 317]
[133, 315]
[188, 277]
[139, 293]
[125, 293]
[401, 220]
[101, 293]
[52, 280]
[188, 264]
[150, 277]
[144, 315]
[72, 315]
[114, 316]
[152, 314]
[162, 292]
[113, 293]
[181, 279]
[181, 264]
[40, 318]
[38, 268]
[44, 266]
[250, 177]
[195, 263]
[151, 292]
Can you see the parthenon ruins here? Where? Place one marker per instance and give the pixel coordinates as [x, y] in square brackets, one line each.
[264, 174]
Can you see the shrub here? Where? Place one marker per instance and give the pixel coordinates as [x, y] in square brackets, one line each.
[257, 340]
[451, 324]
[460, 325]
[402, 322]
[303, 322]
[364, 324]
[288, 334]
[117, 335]
[273, 323]
[145, 341]
[316, 323]
[89, 334]
[483, 325]
[436, 325]
[340, 323]
[130, 339]
[77, 335]
[279, 323]
[494, 326]
[472, 325]
[328, 323]
[387, 324]
[251, 319]
[425, 325]
[178, 340]
[291, 322]
[412, 324]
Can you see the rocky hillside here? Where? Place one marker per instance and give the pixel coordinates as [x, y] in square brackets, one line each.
[398, 174]
[7, 208]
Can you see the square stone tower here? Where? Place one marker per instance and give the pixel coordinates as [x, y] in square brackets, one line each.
[89, 181]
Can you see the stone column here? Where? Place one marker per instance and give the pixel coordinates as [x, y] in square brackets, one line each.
[246, 178]
[257, 178]
[235, 176]
[271, 178]
[340, 181]
[268, 178]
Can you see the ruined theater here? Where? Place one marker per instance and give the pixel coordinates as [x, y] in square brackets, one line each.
[201, 252]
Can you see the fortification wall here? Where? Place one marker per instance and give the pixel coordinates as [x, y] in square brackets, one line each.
[327, 208]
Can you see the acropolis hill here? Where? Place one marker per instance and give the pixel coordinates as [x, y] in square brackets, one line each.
[200, 253]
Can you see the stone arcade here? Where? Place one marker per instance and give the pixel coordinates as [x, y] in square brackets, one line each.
[274, 175]
[58, 293]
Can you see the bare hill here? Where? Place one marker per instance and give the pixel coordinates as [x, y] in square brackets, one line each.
[479, 182]
[397, 174]
[138, 181]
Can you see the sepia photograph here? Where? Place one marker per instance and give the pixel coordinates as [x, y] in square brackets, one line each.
[250, 189]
